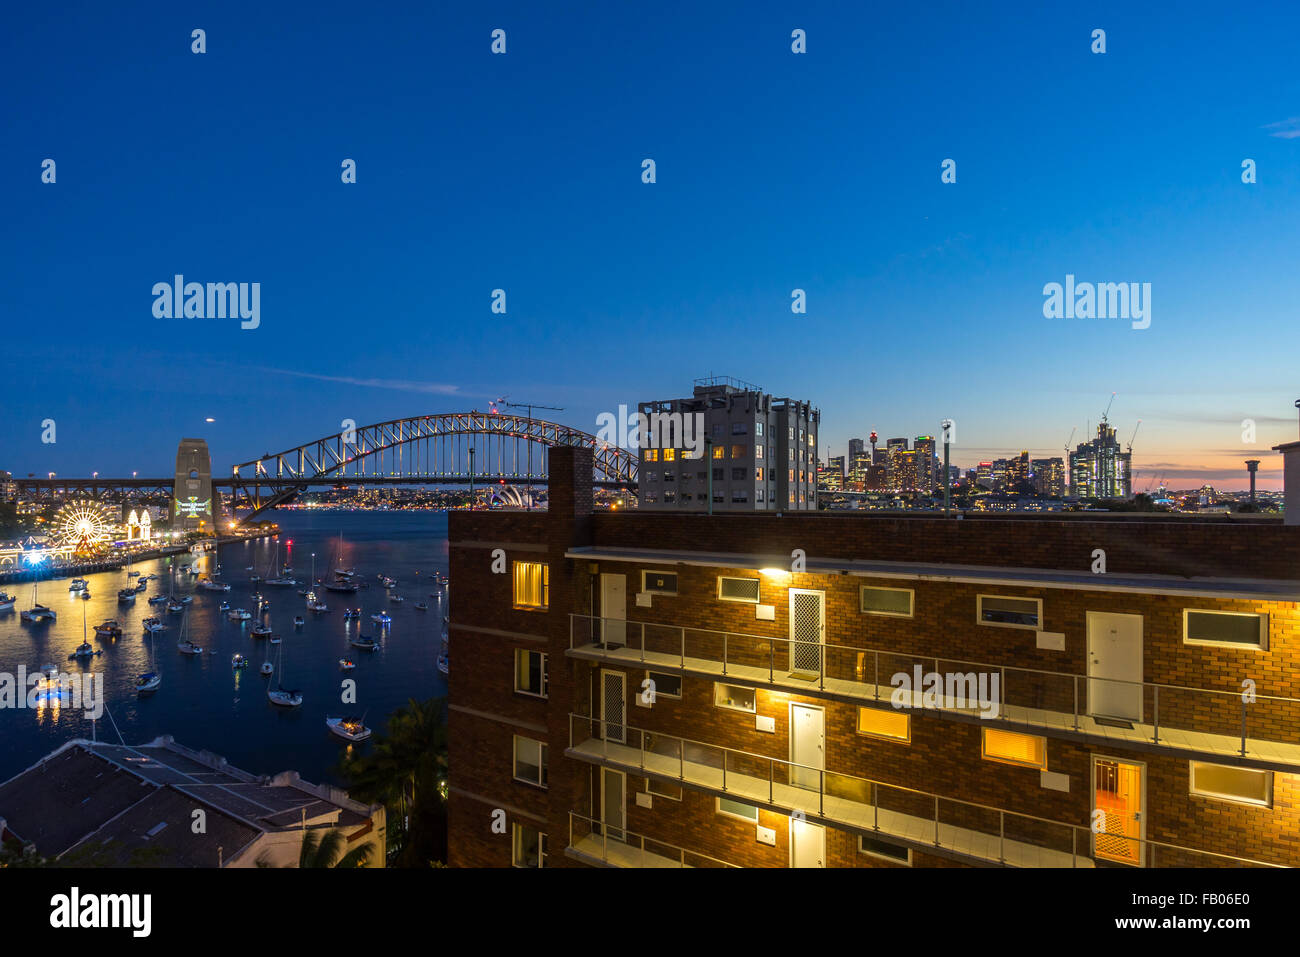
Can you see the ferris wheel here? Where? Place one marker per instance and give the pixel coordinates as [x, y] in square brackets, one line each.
[83, 525]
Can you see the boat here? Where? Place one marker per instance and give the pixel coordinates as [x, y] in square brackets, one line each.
[132, 574]
[142, 585]
[261, 630]
[387, 582]
[266, 668]
[85, 649]
[344, 587]
[275, 639]
[174, 607]
[298, 621]
[238, 661]
[364, 643]
[315, 604]
[126, 596]
[38, 612]
[185, 646]
[108, 629]
[420, 606]
[382, 618]
[78, 584]
[239, 614]
[352, 614]
[207, 584]
[281, 580]
[442, 661]
[185, 599]
[224, 606]
[6, 601]
[346, 664]
[85, 595]
[153, 625]
[158, 600]
[283, 697]
[349, 729]
[396, 599]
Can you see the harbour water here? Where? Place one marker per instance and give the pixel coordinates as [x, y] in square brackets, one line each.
[206, 704]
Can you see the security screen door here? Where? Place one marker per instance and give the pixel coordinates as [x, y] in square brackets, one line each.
[807, 631]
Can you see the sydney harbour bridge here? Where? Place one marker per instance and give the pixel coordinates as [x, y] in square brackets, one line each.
[478, 449]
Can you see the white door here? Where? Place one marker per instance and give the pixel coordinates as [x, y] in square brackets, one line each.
[613, 705]
[613, 610]
[1115, 665]
[807, 844]
[613, 803]
[807, 746]
[807, 630]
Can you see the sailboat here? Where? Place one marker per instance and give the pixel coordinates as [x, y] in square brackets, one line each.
[85, 649]
[280, 579]
[280, 696]
[148, 682]
[38, 612]
[343, 577]
[185, 646]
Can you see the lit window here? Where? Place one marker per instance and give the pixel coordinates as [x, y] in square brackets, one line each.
[758, 451]
[880, 723]
[1238, 785]
[758, 475]
[530, 761]
[1011, 747]
[738, 451]
[746, 812]
[532, 580]
[1231, 628]
[719, 451]
[758, 428]
[670, 455]
[530, 672]
[652, 455]
[896, 602]
[735, 698]
[529, 847]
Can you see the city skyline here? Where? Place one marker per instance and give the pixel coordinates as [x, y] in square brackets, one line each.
[776, 172]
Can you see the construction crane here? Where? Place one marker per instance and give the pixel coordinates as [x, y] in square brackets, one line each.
[505, 402]
[1070, 439]
[1108, 405]
[1134, 436]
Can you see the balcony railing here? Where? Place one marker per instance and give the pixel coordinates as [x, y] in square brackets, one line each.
[919, 818]
[1263, 728]
[619, 847]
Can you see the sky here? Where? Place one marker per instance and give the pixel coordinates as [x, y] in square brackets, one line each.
[775, 171]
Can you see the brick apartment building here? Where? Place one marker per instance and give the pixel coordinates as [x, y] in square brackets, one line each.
[652, 689]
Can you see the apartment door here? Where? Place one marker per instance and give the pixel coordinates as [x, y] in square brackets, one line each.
[1118, 792]
[1115, 665]
[613, 610]
[807, 844]
[613, 705]
[807, 746]
[807, 631]
[613, 803]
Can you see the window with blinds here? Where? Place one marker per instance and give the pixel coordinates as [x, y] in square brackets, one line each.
[738, 589]
[1011, 747]
[531, 583]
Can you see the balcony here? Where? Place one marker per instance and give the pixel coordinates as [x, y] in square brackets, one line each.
[1201, 723]
[592, 842]
[924, 820]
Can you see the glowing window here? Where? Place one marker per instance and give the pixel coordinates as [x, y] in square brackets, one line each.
[1238, 785]
[532, 582]
[1010, 747]
[880, 723]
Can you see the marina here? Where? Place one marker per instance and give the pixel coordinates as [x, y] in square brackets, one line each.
[200, 683]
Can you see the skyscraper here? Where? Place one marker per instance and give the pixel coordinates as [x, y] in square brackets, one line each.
[1099, 468]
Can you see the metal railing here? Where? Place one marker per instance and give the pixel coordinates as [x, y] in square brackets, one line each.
[721, 769]
[590, 829]
[1028, 697]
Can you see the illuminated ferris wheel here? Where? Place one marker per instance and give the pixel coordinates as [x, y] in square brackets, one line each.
[84, 526]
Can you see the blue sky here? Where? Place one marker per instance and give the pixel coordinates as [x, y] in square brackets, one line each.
[775, 171]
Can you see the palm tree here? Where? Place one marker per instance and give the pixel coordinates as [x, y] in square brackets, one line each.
[405, 770]
[325, 851]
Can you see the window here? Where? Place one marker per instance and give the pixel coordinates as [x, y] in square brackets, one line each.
[663, 789]
[758, 475]
[737, 428]
[670, 496]
[1011, 747]
[530, 761]
[880, 723]
[666, 686]
[530, 672]
[738, 475]
[1231, 628]
[718, 474]
[759, 496]
[738, 451]
[758, 428]
[746, 812]
[735, 698]
[758, 452]
[719, 451]
[652, 476]
[875, 847]
[1009, 612]
[651, 455]
[529, 847]
[661, 583]
[670, 475]
[739, 495]
[532, 580]
[1238, 785]
[670, 455]
[887, 601]
[651, 497]
[738, 589]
